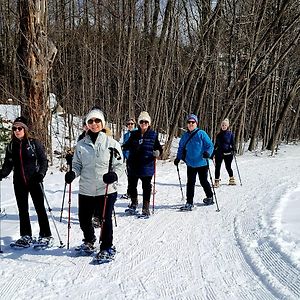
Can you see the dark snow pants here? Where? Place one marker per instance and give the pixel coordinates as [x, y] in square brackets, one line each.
[86, 208]
[22, 191]
[191, 181]
[146, 186]
[218, 161]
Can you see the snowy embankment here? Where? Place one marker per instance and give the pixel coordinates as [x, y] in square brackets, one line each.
[248, 250]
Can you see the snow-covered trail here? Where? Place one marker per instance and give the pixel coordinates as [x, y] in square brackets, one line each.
[203, 254]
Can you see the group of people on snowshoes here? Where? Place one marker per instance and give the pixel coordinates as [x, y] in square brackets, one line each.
[98, 161]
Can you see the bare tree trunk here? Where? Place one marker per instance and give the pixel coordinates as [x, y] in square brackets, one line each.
[36, 54]
[294, 125]
[278, 127]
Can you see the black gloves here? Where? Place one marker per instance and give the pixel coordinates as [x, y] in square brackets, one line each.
[37, 177]
[110, 177]
[206, 154]
[176, 161]
[70, 176]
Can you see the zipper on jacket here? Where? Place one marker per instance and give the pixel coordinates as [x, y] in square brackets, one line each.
[21, 164]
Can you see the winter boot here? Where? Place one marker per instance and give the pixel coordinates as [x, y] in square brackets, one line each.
[208, 201]
[44, 242]
[132, 207]
[217, 183]
[145, 210]
[232, 181]
[23, 242]
[87, 247]
[134, 203]
[105, 255]
[187, 207]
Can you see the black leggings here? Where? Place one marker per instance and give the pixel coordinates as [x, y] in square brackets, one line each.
[191, 180]
[22, 191]
[86, 208]
[218, 161]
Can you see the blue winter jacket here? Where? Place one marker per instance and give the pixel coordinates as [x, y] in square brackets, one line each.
[125, 139]
[141, 160]
[195, 147]
[224, 142]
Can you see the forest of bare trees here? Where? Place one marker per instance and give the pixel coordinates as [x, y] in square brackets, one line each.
[226, 58]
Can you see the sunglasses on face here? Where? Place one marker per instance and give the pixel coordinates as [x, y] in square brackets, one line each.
[91, 121]
[191, 122]
[144, 122]
[17, 128]
[130, 124]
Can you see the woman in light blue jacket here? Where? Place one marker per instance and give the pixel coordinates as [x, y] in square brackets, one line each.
[195, 147]
[98, 179]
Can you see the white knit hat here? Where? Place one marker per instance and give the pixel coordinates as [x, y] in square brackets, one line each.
[144, 116]
[95, 114]
[226, 122]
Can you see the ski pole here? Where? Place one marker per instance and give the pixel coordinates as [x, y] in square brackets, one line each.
[0, 221]
[63, 201]
[111, 154]
[115, 218]
[50, 211]
[103, 213]
[180, 184]
[237, 168]
[69, 158]
[213, 188]
[154, 180]
[69, 216]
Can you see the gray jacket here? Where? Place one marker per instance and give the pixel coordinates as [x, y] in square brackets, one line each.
[91, 161]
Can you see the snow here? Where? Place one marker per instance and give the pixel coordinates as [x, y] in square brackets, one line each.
[9, 111]
[248, 250]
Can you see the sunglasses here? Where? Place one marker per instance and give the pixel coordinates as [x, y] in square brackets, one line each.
[144, 122]
[191, 122]
[17, 128]
[130, 124]
[91, 121]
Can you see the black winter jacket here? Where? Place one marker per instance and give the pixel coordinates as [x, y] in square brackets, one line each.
[224, 143]
[25, 157]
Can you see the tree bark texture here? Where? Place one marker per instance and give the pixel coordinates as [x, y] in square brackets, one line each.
[35, 55]
[233, 58]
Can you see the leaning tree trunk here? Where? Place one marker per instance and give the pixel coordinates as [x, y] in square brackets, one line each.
[36, 54]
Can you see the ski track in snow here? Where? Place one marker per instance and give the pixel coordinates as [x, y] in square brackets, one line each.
[202, 254]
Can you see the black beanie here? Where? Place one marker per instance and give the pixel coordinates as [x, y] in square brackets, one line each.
[21, 121]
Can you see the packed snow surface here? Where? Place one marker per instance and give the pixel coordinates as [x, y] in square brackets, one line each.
[250, 249]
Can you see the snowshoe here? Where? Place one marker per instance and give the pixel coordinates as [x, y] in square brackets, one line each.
[105, 256]
[85, 249]
[43, 242]
[131, 211]
[142, 216]
[145, 212]
[187, 207]
[23, 242]
[208, 201]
